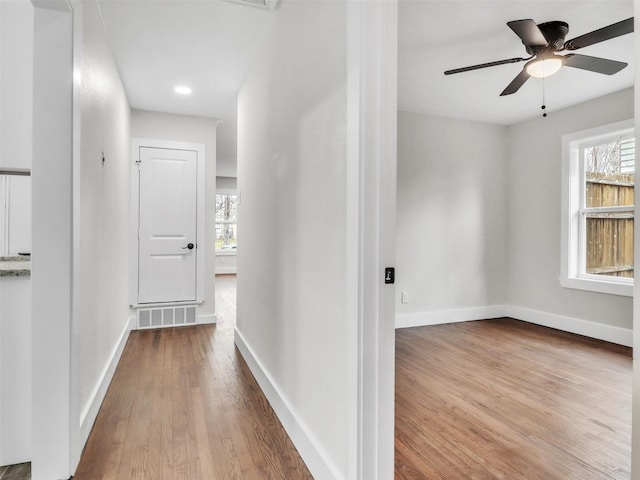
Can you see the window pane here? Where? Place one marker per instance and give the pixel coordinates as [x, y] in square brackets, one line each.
[226, 208]
[609, 242]
[609, 172]
[226, 236]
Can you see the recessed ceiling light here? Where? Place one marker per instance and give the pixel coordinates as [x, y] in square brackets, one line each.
[182, 90]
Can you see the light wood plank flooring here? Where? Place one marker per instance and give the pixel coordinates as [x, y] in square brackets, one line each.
[184, 405]
[502, 399]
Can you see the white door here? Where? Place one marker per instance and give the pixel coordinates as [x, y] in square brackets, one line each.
[167, 225]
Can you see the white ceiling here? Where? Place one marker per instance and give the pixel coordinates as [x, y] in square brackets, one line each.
[205, 44]
[209, 44]
[435, 36]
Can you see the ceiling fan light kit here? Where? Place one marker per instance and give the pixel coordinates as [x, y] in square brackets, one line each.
[544, 67]
[545, 40]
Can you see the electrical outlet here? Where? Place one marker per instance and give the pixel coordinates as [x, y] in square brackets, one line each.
[404, 297]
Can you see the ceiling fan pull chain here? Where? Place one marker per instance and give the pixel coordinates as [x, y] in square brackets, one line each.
[544, 114]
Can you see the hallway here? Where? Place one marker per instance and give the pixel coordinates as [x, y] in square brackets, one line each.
[183, 404]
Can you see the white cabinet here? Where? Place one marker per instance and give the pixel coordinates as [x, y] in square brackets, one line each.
[15, 323]
[15, 370]
[15, 215]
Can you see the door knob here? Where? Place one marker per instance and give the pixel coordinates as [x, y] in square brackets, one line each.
[189, 246]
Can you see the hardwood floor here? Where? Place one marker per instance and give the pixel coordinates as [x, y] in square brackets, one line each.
[21, 471]
[502, 399]
[487, 400]
[184, 405]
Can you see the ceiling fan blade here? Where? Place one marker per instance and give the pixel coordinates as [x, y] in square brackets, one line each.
[484, 65]
[600, 35]
[594, 64]
[528, 32]
[516, 83]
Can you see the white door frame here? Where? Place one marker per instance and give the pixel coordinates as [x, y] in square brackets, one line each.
[635, 427]
[136, 144]
[371, 202]
[53, 194]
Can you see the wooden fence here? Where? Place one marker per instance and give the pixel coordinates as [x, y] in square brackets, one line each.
[610, 235]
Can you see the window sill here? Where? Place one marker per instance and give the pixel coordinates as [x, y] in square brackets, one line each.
[601, 286]
[226, 253]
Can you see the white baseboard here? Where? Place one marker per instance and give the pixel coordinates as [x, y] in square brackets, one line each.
[317, 462]
[90, 410]
[226, 270]
[600, 331]
[207, 319]
[450, 316]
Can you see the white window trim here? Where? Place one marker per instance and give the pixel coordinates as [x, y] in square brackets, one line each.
[571, 236]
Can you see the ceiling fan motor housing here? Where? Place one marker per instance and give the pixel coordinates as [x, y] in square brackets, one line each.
[554, 32]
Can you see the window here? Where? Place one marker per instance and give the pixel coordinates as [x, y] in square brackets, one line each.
[598, 203]
[226, 223]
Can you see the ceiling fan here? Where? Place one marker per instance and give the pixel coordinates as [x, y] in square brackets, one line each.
[545, 40]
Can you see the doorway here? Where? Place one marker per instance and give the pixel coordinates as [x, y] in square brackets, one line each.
[167, 223]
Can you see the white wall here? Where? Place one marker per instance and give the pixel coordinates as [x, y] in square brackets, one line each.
[479, 217]
[101, 223]
[184, 128]
[533, 197]
[451, 218]
[226, 184]
[292, 285]
[227, 169]
[16, 83]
